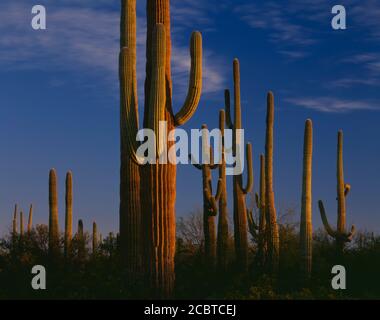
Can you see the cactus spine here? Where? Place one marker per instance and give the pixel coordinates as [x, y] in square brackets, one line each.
[94, 238]
[209, 202]
[270, 209]
[130, 204]
[306, 227]
[68, 213]
[21, 224]
[240, 192]
[30, 219]
[222, 238]
[53, 215]
[158, 189]
[340, 235]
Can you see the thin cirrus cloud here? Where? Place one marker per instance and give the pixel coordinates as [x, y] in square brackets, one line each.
[84, 38]
[332, 105]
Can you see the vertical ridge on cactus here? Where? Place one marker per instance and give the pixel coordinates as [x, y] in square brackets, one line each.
[30, 219]
[340, 235]
[240, 192]
[270, 209]
[306, 227]
[53, 215]
[68, 213]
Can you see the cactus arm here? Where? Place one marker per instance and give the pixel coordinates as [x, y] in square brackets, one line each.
[249, 185]
[252, 225]
[351, 234]
[211, 200]
[195, 84]
[129, 115]
[257, 200]
[212, 165]
[347, 189]
[227, 103]
[326, 224]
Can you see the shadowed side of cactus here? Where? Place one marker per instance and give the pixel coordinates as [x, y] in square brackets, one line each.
[53, 215]
[94, 238]
[340, 235]
[68, 214]
[240, 192]
[306, 227]
[30, 219]
[223, 233]
[273, 256]
[81, 241]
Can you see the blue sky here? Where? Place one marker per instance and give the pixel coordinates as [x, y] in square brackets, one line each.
[59, 99]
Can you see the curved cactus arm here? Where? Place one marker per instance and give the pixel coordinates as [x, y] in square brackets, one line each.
[351, 234]
[195, 84]
[252, 226]
[227, 103]
[257, 200]
[347, 189]
[329, 230]
[249, 185]
[129, 113]
[211, 200]
[219, 190]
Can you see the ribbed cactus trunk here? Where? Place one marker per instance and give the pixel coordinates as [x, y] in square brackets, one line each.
[222, 237]
[68, 214]
[270, 209]
[21, 224]
[130, 203]
[306, 227]
[340, 235]
[262, 240]
[240, 192]
[30, 219]
[53, 215]
[158, 185]
[94, 238]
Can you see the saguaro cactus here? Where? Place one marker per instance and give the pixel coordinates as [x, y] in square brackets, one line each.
[159, 180]
[53, 215]
[240, 192]
[21, 224]
[130, 203]
[94, 238]
[68, 213]
[270, 209]
[30, 219]
[81, 240]
[209, 205]
[306, 227]
[340, 235]
[14, 222]
[222, 238]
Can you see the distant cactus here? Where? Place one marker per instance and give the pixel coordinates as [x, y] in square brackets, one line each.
[94, 238]
[53, 215]
[240, 192]
[210, 208]
[81, 240]
[159, 180]
[30, 219]
[14, 221]
[21, 224]
[270, 209]
[340, 235]
[68, 213]
[306, 227]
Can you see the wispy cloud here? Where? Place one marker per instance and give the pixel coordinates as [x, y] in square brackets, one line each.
[332, 105]
[85, 39]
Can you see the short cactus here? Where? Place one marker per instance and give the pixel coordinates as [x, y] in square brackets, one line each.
[340, 235]
[21, 224]
[68, 213]
[14, 221]
[94, 238]
[306, 227]
[30, 219]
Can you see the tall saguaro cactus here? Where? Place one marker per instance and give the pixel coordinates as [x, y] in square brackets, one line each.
[306, 227]
[30, 219]
[270, 209]
[158, 187]
[340, 235]
[240, 192]
[53, 215]
[68, 213]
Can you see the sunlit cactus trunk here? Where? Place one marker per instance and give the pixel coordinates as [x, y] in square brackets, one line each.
[340, 235]
[130, 203]
[21, 224]
[306, 227]
[158, 185]
[240, 192]
[223, 235]
[30, 219]
[53, 215]
[68, 214]
[270, 209]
